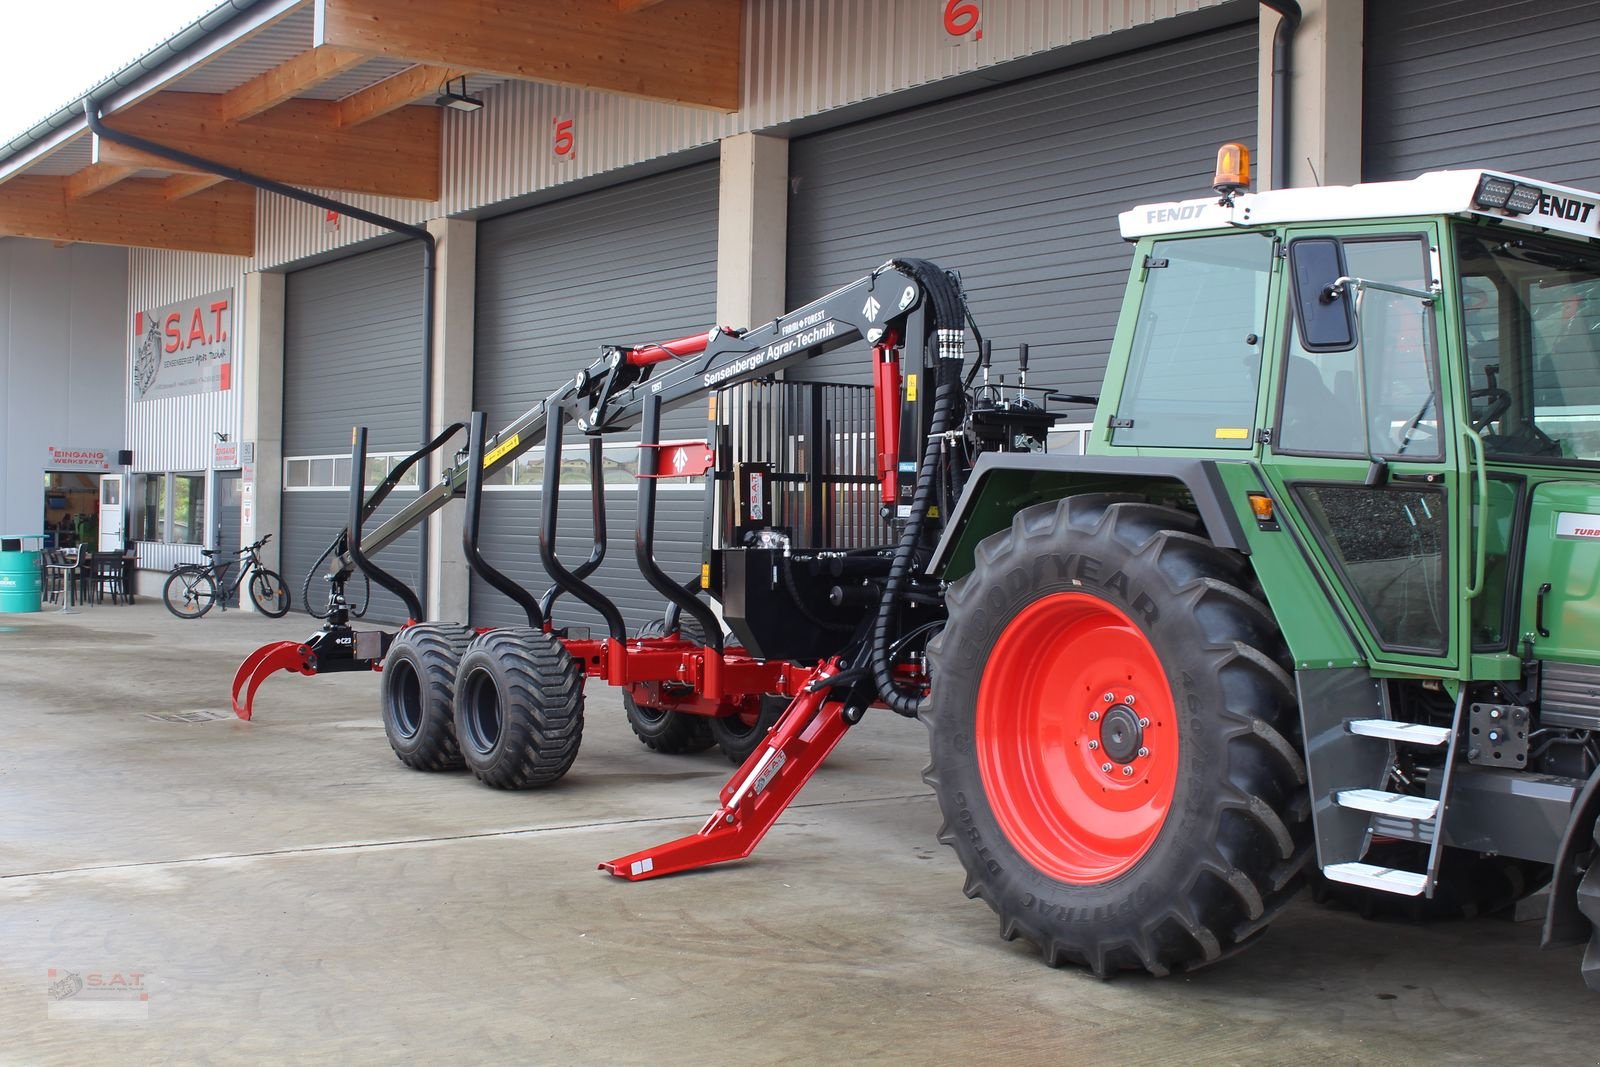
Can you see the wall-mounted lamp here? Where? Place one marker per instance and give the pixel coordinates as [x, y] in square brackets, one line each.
[220, 436]
[453, 94]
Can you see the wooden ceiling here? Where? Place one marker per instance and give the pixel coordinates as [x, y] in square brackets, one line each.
[372, 141]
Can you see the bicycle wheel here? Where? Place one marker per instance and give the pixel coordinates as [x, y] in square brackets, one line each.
[269, 594]
[189, 592]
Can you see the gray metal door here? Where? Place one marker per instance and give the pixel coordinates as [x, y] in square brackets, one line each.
[632, 263]
[1508, 84]
[1018, 187]
[228, 526]
[352, 354]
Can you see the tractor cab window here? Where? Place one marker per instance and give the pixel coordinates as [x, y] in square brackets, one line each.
[1531, 325]
[1378, 397]
[1195, 365]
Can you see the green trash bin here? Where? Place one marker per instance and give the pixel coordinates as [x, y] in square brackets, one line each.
[20, 584]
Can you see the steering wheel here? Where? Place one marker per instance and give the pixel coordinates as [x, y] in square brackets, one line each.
[1499, 402]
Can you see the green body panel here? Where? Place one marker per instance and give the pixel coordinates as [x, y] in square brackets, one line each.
[1564, 551]
[1004, 493]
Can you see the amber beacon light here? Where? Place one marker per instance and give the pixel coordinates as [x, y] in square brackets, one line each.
[1233, 170]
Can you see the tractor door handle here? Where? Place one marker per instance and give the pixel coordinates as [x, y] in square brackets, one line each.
[1538, 610]
[1480, 467]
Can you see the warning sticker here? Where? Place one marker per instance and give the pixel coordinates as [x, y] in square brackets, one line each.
[502, 448]
[1233, 433]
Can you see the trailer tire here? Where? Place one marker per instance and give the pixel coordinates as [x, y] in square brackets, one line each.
[1589, 907]
[1186, 856]
[519, 708]
[738, 738]
[418, 686]
[662, 730]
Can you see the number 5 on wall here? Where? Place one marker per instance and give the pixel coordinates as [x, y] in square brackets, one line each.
[566, 141]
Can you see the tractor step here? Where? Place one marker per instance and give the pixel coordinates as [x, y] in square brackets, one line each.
[1394, 805]
[1412, 733]
[1383, 879]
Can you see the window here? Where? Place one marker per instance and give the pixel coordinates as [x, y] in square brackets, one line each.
[149, 506]
[1395, 359]
[1195, 367]
[332, 473]
[1531, 319]
[188, 509]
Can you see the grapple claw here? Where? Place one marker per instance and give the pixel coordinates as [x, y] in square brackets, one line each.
[294, 656]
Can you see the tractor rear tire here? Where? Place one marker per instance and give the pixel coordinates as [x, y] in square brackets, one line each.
[419, 681]
[1114, 741]
[519, 708]
[1589, 906]
[669, 732]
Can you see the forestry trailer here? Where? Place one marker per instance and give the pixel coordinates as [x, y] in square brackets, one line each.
[1322, 599]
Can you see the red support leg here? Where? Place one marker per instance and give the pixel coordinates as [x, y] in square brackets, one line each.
[757, 794]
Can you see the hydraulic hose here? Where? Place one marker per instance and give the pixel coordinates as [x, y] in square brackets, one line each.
[948, 335]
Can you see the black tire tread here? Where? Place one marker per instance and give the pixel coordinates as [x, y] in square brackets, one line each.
[437, 648]
[1261, 822]
[542, 714]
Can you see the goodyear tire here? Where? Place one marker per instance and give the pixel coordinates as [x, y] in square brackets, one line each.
[519, 708]
[661, 729]
[1113, 739]
[419, 680]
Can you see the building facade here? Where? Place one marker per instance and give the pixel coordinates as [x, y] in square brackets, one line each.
[996, 137]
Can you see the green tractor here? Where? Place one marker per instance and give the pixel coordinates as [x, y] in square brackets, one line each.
[1324, 593]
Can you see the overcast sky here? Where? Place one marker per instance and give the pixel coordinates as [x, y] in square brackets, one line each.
[55, 51]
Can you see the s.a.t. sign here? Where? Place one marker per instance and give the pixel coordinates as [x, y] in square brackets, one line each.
[184, 348]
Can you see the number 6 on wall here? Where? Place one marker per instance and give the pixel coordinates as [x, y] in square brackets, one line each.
[961, 18]
[566, 142]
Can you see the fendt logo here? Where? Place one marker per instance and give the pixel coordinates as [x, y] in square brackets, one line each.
[1565, 207]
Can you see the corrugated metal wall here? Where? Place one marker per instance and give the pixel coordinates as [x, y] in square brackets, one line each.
[176, 433]
[551, 290]
[1026, 209]
[1512, 84]
[352, 353]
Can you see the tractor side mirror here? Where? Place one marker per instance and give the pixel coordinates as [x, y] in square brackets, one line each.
[1324, 310]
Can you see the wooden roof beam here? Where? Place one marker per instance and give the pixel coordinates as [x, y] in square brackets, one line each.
[394, 92]
[134, 212]
[180, 186]
[95, 178]
[683, 52]
[298, 142]
[285, 81]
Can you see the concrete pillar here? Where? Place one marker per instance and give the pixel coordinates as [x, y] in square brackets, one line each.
[455, 292]
[262, 422]
[1325, 85]
[752, 229]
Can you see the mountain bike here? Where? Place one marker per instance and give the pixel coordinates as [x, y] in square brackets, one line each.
[192, 588]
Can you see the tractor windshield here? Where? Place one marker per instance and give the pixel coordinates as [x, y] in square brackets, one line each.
[1531, 319]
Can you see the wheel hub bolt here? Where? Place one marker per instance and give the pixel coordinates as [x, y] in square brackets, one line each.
[1110, 697]
[1093, 745]
[1144, 751]
[1143, 723]
[1094, 716]
[1127, 772]
[1106, 767]
[1128, 700]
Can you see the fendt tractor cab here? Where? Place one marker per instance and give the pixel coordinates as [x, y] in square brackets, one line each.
[1322, 598]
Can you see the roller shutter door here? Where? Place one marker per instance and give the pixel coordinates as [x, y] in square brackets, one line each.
[628, 264]
[352, 354]
[1512, 84]
[1018, 187]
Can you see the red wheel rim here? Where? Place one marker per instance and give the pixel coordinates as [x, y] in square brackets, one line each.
[1077, 738]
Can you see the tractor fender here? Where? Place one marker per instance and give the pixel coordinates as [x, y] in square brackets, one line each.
[1564, 924]
[1003, 483]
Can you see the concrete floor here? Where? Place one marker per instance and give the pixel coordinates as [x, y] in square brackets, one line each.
[290, 893]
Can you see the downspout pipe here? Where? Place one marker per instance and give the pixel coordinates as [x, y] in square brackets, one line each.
[430, 259]
[1282, 45]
